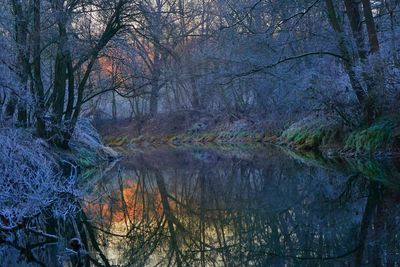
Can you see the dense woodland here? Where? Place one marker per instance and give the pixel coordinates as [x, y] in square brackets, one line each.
[311, 72]
[283, 59]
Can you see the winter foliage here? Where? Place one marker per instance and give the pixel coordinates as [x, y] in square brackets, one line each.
[64, 62]
[31, 182]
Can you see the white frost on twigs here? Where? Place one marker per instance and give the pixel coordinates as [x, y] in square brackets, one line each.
[86, 138]
[30, 182]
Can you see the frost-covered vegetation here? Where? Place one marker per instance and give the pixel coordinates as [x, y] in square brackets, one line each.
[311, 74]
[31, 180]
[87, 146]
[34, 195]
[281, 60]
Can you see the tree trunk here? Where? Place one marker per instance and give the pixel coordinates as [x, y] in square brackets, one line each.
[155, 82]
[114, 107]
[71, 89]
[347, 60]
[23, 67]
[154, 100]
[60, 76]
[10, 106]
[371, 27]
[375, 80]
[391, 10]
[353, 13]
[38, 84]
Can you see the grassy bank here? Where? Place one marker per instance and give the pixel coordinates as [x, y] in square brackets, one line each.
[380, 139]
[332, 137]
[189, 128]
[223, 137]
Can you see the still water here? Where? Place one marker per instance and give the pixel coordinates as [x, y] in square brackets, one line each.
[243, 207]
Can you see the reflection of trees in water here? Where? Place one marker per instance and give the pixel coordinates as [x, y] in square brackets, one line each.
[241, 213]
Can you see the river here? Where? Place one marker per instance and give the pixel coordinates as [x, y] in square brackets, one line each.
[243, 206]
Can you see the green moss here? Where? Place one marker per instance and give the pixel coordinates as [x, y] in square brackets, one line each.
[369, 140]
[86, 158]
[305, 137]
[313, 133]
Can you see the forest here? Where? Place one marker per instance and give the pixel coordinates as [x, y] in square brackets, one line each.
[91, 89]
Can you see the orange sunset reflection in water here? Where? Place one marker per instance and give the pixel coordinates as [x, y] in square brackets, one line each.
[178, 210]
[129, 202]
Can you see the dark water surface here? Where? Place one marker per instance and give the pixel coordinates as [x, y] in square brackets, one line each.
[251, 207]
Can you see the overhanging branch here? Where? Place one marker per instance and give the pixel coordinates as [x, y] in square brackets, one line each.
[281, 61]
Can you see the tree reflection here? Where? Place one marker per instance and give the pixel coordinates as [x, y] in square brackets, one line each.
[183, 210]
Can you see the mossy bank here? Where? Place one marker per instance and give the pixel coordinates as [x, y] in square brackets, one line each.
[329, 135]
[379, 139]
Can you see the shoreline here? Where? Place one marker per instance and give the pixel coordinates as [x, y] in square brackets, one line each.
[244, 139]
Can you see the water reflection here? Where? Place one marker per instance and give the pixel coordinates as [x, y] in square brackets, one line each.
[258, 208]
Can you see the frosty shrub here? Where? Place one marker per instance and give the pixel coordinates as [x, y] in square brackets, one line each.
[86, 143]
[30, 181]
[85, 135]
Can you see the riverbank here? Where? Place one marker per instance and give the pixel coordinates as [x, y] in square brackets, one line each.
[330, 136]
[189, 128]
[42, 186]
[381, 139]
